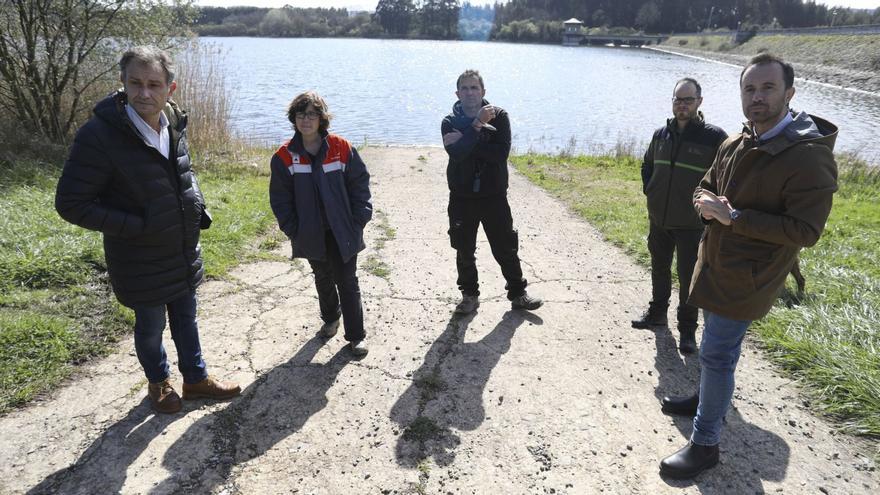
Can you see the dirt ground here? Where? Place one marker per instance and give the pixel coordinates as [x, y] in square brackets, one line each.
[563, 400]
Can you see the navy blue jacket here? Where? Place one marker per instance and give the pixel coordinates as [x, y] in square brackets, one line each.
[338, 179]
[478, 154]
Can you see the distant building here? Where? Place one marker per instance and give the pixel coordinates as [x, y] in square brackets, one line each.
[571, 34]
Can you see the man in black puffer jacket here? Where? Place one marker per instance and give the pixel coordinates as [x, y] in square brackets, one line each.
[128, 176]
[476, 136]
[677, 158]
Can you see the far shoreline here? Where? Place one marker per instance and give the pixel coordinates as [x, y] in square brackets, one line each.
[843, 62]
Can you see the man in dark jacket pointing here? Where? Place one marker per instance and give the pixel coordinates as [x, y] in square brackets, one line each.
[476, 136]
[128, 176]
[677, 158]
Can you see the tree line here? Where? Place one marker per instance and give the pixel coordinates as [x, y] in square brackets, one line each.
[434, 19]
[58, 56]
[530, 17]
[522, 20]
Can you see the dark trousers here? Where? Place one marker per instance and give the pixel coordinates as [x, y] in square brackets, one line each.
[661, 244]
[338, 287]
[149, 323]
[465, 216]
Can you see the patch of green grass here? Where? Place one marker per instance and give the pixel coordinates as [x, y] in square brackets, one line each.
[239, 206]
[605, 190]
[430, 385]
[424, 468]
[57, 309]
[37, 248]
[422, 429]
[375, 266]
[374, 263]
[32, 344]
[714, 43]
[45, 332]
[829, 339]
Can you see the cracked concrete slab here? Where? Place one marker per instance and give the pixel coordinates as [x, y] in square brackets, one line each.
[562, 400]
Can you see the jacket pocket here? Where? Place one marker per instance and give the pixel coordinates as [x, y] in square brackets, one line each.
[740, 247]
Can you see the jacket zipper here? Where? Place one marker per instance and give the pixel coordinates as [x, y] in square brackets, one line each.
[676, 144]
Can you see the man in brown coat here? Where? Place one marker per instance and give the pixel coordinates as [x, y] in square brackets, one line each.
[766, 196]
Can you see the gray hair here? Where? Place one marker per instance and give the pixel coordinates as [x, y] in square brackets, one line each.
[150, 55]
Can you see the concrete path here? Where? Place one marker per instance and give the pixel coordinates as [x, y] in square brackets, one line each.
[562, 400]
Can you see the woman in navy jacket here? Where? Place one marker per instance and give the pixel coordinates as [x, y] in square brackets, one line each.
[320, 194]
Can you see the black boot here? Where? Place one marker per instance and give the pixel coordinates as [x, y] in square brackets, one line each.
[687, 341]
[682, 406]
[653, 317]
[690, 461]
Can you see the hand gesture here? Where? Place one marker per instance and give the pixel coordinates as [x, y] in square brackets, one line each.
[452, 137]
[713, 207]
[487, 114]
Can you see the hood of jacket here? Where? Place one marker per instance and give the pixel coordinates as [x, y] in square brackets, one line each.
[112, 110]
[459, 119]
[803, 128]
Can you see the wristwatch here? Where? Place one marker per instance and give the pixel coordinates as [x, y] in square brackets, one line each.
[734, 214]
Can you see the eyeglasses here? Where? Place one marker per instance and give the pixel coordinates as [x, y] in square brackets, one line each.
[687, 101]
[308, 115]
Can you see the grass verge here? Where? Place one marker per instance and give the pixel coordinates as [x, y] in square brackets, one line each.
[56, 306]
[854, 52]
[373, 263]
[829, 339]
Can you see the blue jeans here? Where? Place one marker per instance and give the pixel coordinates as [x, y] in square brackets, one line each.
[719, 353]
[148, 327]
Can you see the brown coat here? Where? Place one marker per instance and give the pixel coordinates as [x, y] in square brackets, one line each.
[783, 189]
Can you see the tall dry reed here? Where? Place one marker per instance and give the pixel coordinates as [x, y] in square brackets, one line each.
[204, 92]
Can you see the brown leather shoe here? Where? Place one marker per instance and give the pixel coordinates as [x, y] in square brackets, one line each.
[209, 388]
[164, 398]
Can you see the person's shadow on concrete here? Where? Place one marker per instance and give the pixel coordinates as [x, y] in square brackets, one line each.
[102, 468]
[447, 390]
[749, 454]
[678, 374]
[272, 408]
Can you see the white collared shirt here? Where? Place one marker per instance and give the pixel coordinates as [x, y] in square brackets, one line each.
[161, 141]
[777, 129]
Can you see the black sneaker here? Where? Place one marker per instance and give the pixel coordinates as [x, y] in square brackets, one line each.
[650, 319]
[329, 329]
[525, 301]
[468, 305]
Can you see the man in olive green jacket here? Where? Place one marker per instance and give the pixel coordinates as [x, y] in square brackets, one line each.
[677, 158]
[767, 195]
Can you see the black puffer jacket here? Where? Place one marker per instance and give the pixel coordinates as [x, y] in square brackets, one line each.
[149, 208]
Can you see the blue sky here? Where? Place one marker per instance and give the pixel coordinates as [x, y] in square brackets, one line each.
[371, 4]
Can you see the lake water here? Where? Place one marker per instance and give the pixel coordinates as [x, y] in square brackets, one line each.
[579, 98]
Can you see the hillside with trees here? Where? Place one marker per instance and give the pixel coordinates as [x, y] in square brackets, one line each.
[540, 20]
[522, 20]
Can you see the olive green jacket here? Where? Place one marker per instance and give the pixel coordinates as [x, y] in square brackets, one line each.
[673, 166]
